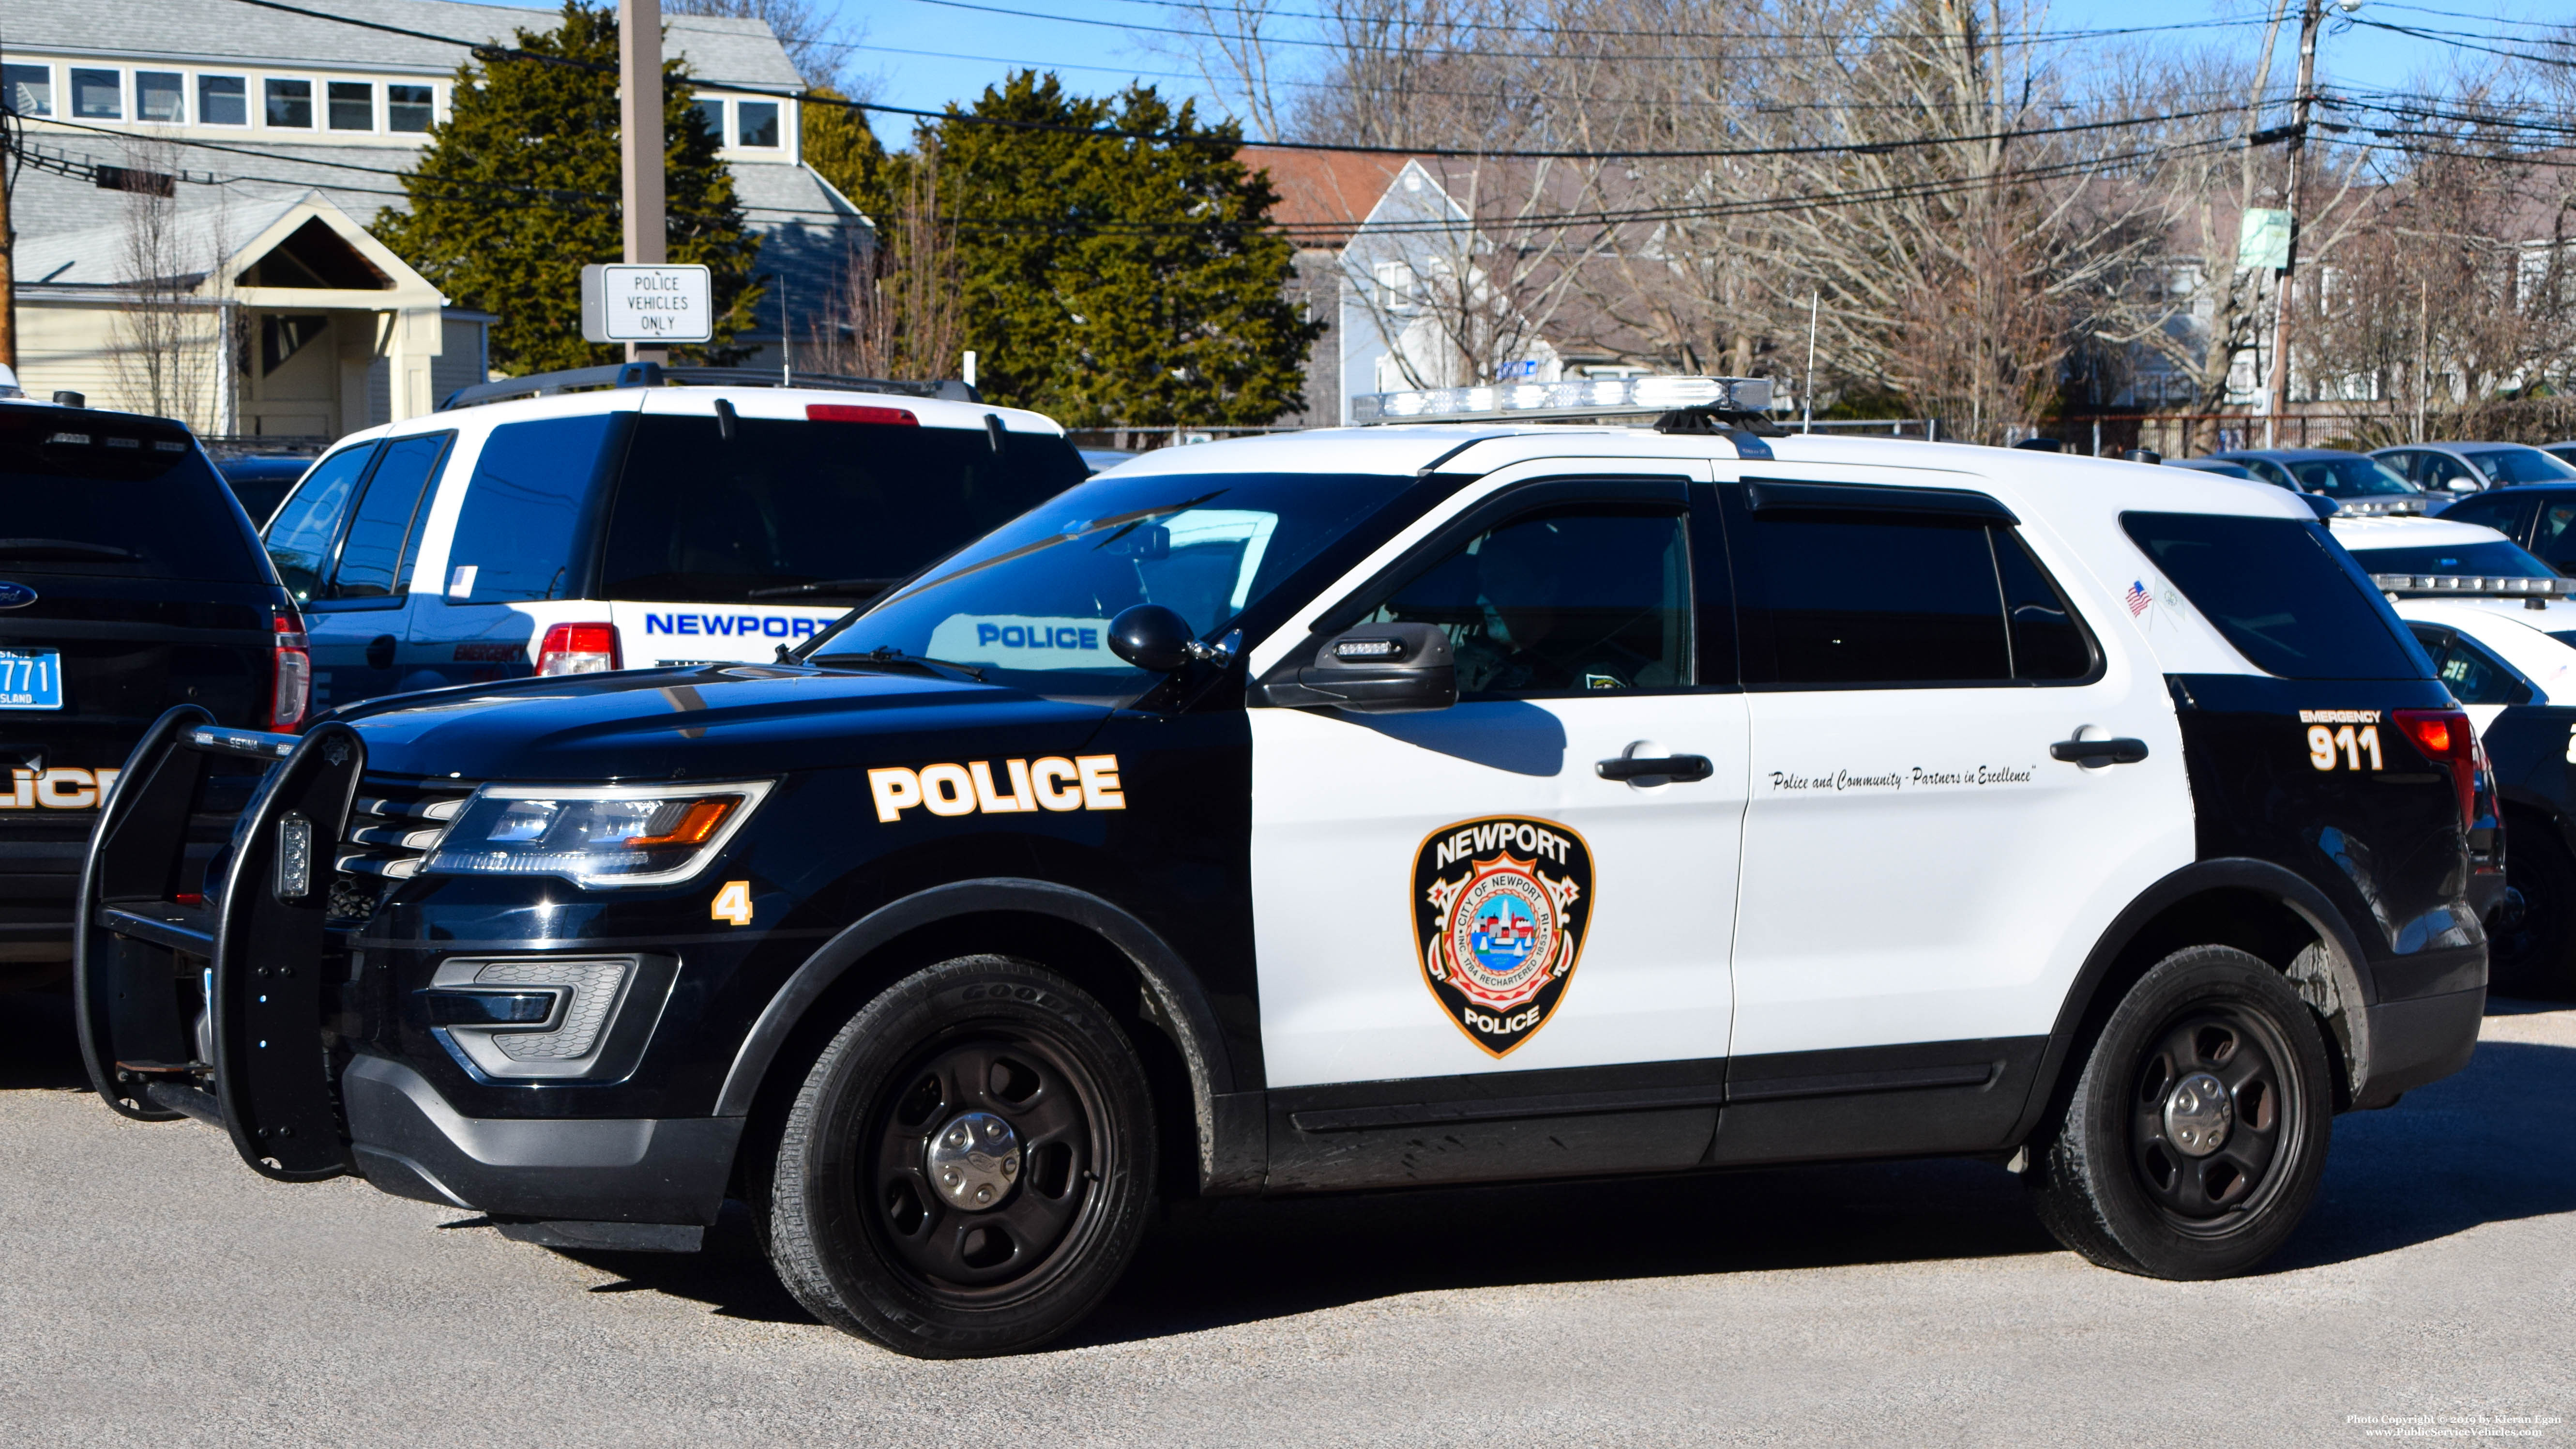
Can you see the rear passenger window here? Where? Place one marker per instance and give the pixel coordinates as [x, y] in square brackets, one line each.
[524, 530]
[2283, 592]
[2472, 674]
[375, 562]
[1852, 599]
[1563, 603]
[301, 536]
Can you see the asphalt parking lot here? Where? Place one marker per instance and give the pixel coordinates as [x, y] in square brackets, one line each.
[152, 1291]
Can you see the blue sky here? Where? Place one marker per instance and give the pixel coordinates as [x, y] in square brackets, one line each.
[927, 53]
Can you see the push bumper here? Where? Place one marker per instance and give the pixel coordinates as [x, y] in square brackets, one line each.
[410, 1142]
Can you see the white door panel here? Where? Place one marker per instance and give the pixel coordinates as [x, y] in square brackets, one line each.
[1340, 807]
[1917, 868]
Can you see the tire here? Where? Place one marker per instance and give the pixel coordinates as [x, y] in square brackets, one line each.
[2133, 1178]
[968, 1166]
[2531, 936]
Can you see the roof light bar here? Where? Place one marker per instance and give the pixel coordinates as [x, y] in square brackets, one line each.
[2378, 507]
[1591, 397]
[2473, 586]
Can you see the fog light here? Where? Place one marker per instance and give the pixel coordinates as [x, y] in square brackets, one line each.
[546, 1017]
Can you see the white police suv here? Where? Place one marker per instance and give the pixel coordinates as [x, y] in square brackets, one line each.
[1366, 808]
[2501, 631]
[637, 517]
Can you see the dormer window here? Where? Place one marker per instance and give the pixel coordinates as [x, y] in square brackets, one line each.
[290, 105]
[755, 123]
[353, 106]
[408, 109]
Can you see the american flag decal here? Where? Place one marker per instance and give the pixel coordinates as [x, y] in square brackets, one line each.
[2138, 598]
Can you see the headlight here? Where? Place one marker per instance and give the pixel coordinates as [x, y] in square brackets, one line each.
[596, 835]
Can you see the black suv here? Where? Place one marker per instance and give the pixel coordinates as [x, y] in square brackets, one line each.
[2539, 516]
[130, 582]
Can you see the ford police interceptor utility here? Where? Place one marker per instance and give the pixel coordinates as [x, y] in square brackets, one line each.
[580, 521]
[1377, 807]
[2502, 635]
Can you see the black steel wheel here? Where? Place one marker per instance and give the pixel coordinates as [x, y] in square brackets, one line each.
[967, 1167]
[2531, 933]
[2194, 1140]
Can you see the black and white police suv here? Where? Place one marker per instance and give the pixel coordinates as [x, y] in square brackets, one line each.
[2501, 631]
[1364, 808]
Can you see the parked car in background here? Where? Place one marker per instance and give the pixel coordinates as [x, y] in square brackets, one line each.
[2564, 452]
[262, 483]
[2214, 465]
[2357, 483]
[2540, 517]
[2474, 467]
[525, 528]
[2502, 635]
[1101, 460]
[130, 582]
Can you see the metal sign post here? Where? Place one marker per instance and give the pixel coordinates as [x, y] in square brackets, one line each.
[639, 142]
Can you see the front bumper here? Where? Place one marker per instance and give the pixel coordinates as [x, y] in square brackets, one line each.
[410, 1142]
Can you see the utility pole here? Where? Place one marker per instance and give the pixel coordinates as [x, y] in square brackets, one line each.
[8, 258]
[2310, 19]
[639, 142]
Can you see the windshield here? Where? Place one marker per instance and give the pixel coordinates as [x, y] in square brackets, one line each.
[2519, 465]
[109, 493]
[2496, 560]
[2354, 477]
[1029, 604]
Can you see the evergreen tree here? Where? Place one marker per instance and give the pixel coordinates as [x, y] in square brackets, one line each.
[519, 189]
[1119, 281]
[842, 149]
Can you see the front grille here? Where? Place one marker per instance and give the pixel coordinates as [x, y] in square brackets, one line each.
[396, 823]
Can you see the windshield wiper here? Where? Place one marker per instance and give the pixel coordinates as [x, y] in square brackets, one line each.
[71, 547]
[836, 588]
[884, 655]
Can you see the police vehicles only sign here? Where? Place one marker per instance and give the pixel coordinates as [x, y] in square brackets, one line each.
[646, 304]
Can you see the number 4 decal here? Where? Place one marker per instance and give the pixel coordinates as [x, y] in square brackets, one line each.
[2327, 747]
[733, 903]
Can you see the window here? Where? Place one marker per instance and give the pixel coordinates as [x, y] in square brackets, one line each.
[2555, 539]
[711, 115]
[384, 536]
[2504, 466]
[223, 100]
[408, 109]
[700, 519]
[2283, 593]
[160, 95]
[1869, 598]
[527, 510]
[300, 537]
[1563, 603]
[28, 89]
[2349, 477]
[756, 123]
[98, 95]
[131, 497]
[1029, 603]
[353, 106]
[2473, 675]
[2495, 559]
[290, 104]
[2440, 471]
[2503, 512]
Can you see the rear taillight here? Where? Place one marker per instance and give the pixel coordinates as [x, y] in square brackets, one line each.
[293, 693]
[579, 649]
[2446, 738]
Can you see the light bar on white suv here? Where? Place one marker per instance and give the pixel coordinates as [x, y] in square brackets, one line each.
[2474, 586]
[1594, 397]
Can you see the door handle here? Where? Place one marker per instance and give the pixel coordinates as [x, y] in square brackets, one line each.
[2099, 752]
[1680, 769]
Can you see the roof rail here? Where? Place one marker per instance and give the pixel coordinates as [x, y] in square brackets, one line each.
[654, 374]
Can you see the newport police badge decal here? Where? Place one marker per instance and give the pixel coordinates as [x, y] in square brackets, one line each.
[1500, 908]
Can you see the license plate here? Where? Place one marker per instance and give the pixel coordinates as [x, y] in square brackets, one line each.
[31, 679]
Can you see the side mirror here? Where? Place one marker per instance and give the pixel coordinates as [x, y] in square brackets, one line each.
[2320, 505]
[2461, 485]
[1374, 669]
[1151, 637]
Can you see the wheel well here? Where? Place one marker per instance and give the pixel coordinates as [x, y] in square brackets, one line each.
[1061, 946]
[2253, 921]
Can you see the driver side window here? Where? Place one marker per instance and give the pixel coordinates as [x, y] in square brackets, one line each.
[1569, 602]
